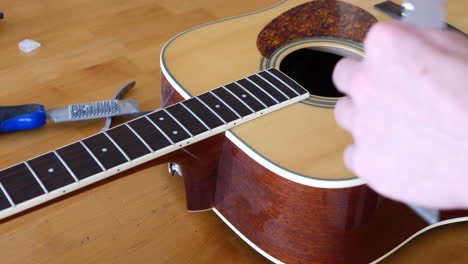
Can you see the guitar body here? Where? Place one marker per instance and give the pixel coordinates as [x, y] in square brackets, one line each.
[279, 181]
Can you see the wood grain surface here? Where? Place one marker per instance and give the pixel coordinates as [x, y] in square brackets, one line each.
[320, 18]
[315, 225]
[89, 49]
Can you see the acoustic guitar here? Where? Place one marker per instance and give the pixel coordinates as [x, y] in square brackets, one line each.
[276, 178]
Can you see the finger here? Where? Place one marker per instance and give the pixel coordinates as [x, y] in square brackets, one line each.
[343, 113]
[343, 73]
[447, 40]
[348, 157]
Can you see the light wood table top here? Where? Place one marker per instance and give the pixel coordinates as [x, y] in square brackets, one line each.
[89, 49]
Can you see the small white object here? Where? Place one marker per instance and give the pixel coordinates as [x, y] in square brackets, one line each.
[28, 45]
[51, 170]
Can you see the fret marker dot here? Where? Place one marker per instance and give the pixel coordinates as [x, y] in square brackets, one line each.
[175, 132]
[217, 106]
[161, 118]
[103, 149]
[50, 170]
[244, 95]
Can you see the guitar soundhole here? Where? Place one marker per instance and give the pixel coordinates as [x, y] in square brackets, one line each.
[313, 70]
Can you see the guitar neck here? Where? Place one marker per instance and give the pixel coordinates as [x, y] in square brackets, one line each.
[148, 137]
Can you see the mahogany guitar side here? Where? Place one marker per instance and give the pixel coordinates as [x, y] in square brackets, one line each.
[287, 221]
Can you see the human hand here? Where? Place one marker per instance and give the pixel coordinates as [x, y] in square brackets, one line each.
[407, 109]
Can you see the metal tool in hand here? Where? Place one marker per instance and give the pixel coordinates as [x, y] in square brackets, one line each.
[424, 13]
[397, 12]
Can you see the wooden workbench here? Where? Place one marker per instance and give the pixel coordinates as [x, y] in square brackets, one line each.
[89, 49]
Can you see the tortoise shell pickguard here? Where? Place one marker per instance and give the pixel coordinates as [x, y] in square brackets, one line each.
[320, 18]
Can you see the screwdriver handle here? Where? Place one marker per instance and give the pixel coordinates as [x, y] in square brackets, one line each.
[21, 117]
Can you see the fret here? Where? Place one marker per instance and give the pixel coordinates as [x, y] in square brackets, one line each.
[127, 142]
[80, 160]
[224, 103]
[232, 101]
[193, 114]
[169, 126]
[208, 116]
[246, 97]
[105, 151]
[288, 93]
[268, 88]
[160, 131]
[5, 199]
[138, 136]
[263, 90]
[116, 145]
[150, 134]
[188, 120]
[35, 177]
[20, 184]
[178, 122]
[286, 80]
[66, 166]
[218, 107]
[291, 93]
[92, 155]
[259, 94]
[50, 171]
[239, 99]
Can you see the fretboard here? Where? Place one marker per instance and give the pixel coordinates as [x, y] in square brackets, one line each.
[165, 130]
